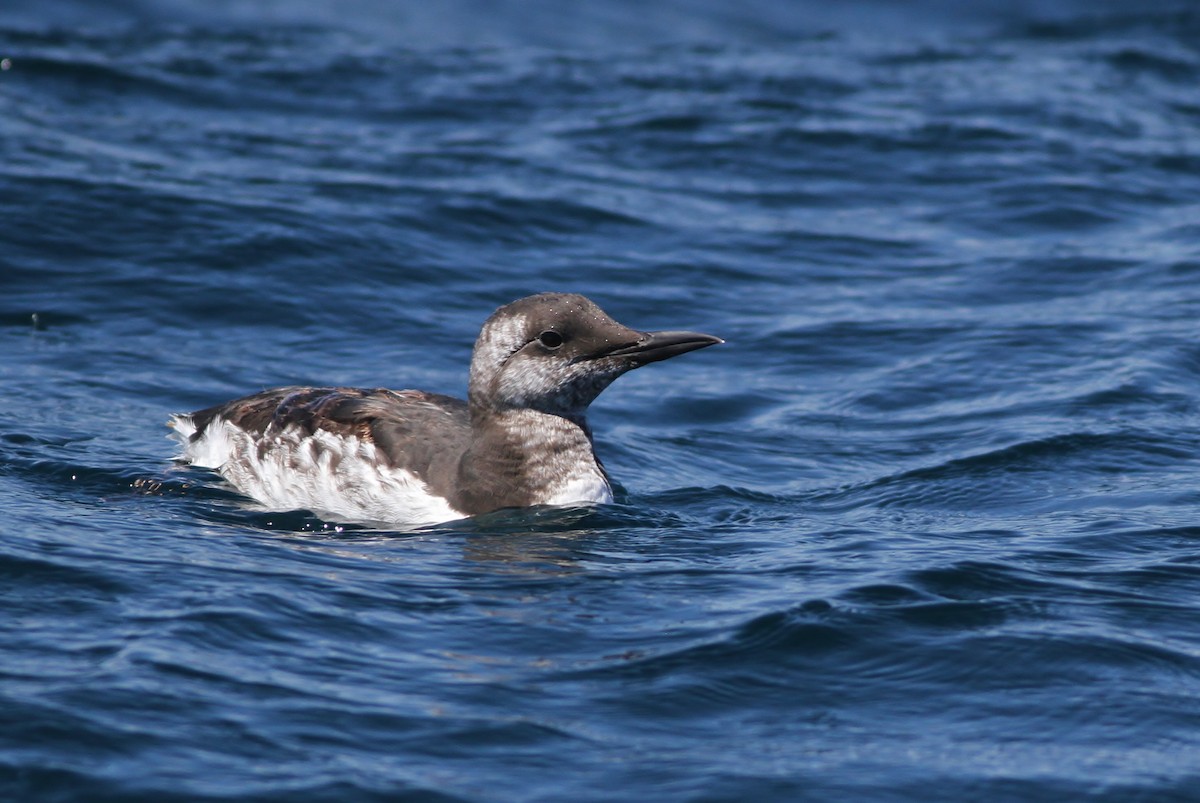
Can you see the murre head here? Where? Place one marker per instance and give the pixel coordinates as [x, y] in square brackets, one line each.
[555, 352]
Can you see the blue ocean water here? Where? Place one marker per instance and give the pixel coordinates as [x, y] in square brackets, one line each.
[925, 528]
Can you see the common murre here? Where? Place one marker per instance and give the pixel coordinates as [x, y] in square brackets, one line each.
[407, 458]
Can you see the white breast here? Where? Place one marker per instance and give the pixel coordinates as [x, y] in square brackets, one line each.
[589, 487]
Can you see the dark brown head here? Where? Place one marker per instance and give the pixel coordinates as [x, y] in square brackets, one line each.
[555, 352]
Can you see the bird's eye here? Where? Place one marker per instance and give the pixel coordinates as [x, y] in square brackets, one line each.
[550, 339]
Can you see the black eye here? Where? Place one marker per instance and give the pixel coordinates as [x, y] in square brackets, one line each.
[550, 340]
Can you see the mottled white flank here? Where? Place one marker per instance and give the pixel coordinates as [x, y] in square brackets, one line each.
[339, 478]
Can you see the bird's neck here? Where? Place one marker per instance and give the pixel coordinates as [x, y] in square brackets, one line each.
[545, 432]
[523, 457]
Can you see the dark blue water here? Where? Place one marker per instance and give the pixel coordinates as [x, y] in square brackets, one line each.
[927, 527]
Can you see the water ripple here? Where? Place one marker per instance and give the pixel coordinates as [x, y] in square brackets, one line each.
[926, 522]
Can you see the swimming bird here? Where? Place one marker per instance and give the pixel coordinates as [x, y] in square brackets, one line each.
[408, 457]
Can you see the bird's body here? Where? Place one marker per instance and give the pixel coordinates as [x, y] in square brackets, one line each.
[410, 457]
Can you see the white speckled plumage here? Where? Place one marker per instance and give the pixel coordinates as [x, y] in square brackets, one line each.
[336, 477]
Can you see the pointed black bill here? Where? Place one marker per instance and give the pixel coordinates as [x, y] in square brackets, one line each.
[655, 346]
